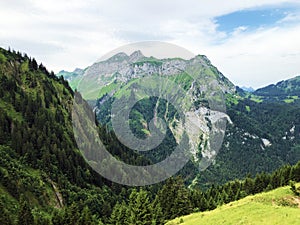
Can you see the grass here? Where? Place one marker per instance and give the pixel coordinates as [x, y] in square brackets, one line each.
[255, 98]
[150, 60]
[107, 89]
[275, 207]
[183, 79]
[248, 109]
[288, 100]
[74, 82]
[232, 99]
[291, 99]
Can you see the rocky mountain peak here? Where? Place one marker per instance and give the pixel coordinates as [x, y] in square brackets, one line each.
[119, 57]
[136, 56]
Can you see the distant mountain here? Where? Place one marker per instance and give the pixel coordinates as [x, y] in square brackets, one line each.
[248, 89]
[72, 77]
[287, 90]
[200, 82]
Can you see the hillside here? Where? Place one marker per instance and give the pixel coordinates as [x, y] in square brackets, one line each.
[286, 90]
[279, 206]
[263, 136]
[41, 167]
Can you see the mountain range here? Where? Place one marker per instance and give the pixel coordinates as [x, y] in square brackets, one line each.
[45, 178]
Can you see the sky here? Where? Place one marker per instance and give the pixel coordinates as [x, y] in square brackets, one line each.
[252, 42]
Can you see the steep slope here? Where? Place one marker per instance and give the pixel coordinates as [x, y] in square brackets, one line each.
[263, 136]
[40, 161]
[279, 206]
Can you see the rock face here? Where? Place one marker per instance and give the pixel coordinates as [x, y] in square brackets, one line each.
[123, 68]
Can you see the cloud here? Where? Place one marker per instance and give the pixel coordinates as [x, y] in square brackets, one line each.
[290, 18]
[261, 57]
[70, 34]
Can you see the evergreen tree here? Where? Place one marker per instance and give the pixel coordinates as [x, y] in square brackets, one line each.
[158, 217]
[182, 203]
[58, 217]
[72, 215]
[25, 216]
[86, 217]
[33, 64]
[294, 189]
[174, 199]
[119, 214]
[140, 212]
[4, 215]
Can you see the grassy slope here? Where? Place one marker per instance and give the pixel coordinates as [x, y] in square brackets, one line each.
[275, 207]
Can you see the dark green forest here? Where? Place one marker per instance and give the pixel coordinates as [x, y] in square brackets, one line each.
[44, 179]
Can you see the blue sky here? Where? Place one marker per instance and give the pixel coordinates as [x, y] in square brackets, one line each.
[252, 19]
[253, 42]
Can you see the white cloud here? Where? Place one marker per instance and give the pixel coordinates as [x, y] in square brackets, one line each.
[69, 34]
[262, 57]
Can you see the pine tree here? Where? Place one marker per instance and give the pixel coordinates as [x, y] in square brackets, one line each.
[182, 203]
[58, 217]
[140, 212]
[119, 214]
[294, 189]
[158, 217]
[86, 217]
[4, 215]
[72, 215]
[248, 186]
[225, 197]
[174, 199]
[33, 64]
[25, 216]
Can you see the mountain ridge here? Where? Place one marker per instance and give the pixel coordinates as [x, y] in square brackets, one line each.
[285, 90]
[124, 67]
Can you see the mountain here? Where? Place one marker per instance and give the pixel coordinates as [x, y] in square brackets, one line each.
[287, 90]
[121, 68]
[260, 135]
[279, 206]
[196, 85]
[72, 77]
[248, 89]
[264, 135]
